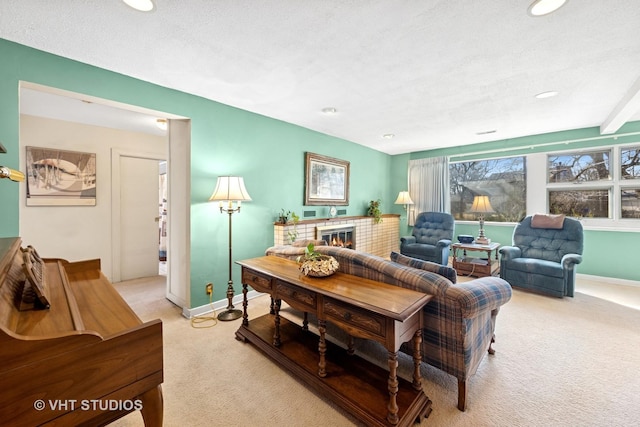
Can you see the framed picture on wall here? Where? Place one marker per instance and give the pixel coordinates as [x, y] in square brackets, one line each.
[326, 181]
[60, 178]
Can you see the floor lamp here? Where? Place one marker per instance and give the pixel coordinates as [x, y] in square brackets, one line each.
[230, 189]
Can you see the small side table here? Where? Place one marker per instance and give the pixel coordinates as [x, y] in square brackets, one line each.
[476, 266]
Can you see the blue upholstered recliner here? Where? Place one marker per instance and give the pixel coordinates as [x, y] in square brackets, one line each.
[431, 237]
[544, 259]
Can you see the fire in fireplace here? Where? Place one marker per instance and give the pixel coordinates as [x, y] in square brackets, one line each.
[338, 235]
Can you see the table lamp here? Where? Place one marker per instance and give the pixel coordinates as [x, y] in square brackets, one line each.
[482, 206]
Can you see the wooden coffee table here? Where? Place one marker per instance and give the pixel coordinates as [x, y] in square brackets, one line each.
[364, 308]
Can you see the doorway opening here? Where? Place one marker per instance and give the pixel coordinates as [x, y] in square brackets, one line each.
[99, 236]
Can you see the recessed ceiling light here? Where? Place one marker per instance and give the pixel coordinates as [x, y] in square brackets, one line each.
[545, 7]
[329, 110]
[548, 94]
[141, 5]
[388, 135]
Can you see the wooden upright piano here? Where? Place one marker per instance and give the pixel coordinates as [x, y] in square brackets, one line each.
[72, 352]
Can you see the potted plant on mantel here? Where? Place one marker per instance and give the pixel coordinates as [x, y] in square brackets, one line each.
[315, 264]
[374, 211]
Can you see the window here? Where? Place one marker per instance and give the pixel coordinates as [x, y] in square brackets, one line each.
[630, 202]
[603, 183]
[503, 180]
[580, 203]
[579, 167]
[630, 163]
[592, 171]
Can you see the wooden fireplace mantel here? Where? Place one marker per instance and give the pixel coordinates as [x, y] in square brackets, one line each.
[375, 238]
[337, 219]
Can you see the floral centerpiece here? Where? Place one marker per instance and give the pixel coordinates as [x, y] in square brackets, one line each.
[315, 264]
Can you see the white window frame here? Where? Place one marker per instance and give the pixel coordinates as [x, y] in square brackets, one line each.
[613, 185]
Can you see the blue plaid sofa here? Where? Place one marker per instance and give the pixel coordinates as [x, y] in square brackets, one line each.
[459, 322]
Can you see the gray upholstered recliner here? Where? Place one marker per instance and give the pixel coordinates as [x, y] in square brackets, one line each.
[544, 259]
[431, 237]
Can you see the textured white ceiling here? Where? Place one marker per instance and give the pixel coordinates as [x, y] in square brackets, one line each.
[434, 73]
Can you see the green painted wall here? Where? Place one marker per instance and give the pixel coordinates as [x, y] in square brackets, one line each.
[270, 155]
[225, 140]
[606, 253]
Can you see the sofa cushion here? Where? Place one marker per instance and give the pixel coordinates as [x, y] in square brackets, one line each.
[537, 266]
[444, 271]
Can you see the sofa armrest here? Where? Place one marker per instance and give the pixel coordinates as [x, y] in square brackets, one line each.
[408, 240]
[443, 243]
[510, 252]
[286, 251]
[569, 260]
[479, 295]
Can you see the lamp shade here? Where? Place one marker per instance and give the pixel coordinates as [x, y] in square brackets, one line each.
[481, 204]
[403, 198]
[231, 189]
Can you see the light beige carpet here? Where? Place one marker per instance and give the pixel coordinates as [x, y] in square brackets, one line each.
[558, 362]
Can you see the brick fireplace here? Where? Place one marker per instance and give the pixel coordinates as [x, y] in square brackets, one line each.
[378, 239]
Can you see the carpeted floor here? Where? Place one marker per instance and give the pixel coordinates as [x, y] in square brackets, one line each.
[558, 362]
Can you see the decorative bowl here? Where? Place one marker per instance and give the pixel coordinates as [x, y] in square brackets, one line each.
[321, 266]
[465, 238]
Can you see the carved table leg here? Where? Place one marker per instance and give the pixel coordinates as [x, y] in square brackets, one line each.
[350, 349]
[245, 304]
[417, 358]
[322, 349]
[392, 407]
[305, 322]
[276, 332]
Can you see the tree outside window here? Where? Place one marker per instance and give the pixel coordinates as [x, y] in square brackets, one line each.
[503, 180]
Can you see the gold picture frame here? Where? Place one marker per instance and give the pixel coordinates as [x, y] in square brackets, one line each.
[326, 181]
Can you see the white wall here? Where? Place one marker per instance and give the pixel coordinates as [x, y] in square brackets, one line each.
[77, 232]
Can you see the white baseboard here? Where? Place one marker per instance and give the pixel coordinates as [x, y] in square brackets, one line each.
[218, 305]
[609, 280]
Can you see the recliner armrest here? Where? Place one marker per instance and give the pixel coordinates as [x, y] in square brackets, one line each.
[480, 295]
[509, 252]
[408, 239]
[443, 243]
[569, 260]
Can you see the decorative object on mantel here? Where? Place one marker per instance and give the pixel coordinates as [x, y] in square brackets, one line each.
[315, 264]
[230, 189]
[482, 206]
[293, 233]
[283, 218]
[333, 211]
[374, 211]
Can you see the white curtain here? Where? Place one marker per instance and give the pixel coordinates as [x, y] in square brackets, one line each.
[428, 186]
